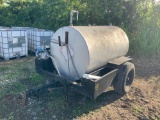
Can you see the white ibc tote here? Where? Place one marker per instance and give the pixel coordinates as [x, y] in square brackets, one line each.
[13, 43]
[39, 38]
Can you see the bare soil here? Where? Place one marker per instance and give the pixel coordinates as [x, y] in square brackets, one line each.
[141, 103]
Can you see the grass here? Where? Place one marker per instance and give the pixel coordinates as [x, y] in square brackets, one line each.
[18, 77]
[141, 111]
[145, 39]
[138, 109]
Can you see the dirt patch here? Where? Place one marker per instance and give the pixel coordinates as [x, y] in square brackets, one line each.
[141, 103]
[147, 67]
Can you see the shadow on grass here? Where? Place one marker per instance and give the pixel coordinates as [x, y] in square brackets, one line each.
[79, 105]
[52, 104]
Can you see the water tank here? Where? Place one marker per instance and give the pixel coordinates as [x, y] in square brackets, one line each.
[89, 48]
[39, 37]
[13, 43]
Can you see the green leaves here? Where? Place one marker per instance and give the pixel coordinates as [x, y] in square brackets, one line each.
[53, 14]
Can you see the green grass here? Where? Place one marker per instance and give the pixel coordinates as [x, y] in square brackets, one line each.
[17, 77]
[145, 41]
[138, 109]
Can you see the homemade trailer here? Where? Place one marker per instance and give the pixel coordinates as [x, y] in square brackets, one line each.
[88, 59]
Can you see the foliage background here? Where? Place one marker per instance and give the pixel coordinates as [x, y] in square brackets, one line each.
[139, 18]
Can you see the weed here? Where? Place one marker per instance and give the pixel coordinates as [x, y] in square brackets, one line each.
[11, 76]
[137, 109]
[145, 40]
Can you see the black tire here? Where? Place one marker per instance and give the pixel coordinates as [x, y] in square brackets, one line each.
[124, 78]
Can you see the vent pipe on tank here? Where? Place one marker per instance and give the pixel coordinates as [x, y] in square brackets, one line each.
[71, 16]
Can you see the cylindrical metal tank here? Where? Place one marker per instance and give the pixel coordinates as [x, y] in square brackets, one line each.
[89, 48]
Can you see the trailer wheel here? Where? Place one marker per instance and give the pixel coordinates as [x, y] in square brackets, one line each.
[124, 78]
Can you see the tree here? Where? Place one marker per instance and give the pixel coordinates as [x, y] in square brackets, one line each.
[1, 2]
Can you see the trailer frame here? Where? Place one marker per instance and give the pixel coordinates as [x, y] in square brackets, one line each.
[87, 87]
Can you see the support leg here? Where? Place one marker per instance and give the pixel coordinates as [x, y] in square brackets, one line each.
[66, 92]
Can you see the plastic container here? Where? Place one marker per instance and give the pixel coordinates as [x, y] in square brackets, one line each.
[39, 38]
[13, 43]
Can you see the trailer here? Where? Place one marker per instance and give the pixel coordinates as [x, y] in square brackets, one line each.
[88, 59]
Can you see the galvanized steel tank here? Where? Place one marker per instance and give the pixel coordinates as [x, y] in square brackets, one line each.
[89, 48]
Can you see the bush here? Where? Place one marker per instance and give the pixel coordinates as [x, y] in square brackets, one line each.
[138, 18]
[145, 40]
